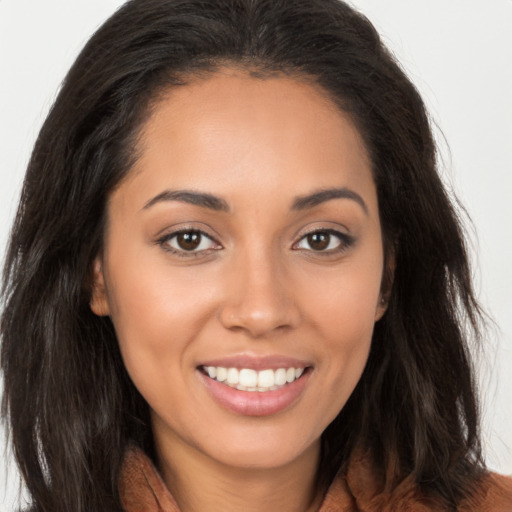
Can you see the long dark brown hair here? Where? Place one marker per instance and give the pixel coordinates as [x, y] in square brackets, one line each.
[69, 404]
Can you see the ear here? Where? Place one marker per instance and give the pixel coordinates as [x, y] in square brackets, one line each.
[386, 286]
[99, 298]
[382, 307]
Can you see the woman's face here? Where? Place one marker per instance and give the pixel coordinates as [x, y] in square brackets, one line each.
[244, 249]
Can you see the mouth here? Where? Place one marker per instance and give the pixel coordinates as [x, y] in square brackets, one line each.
[255, 392]
[248, 379]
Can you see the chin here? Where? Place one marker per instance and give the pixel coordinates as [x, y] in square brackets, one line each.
[267, 452]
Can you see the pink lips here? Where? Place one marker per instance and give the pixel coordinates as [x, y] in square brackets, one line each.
[257, 363]
[256, 403]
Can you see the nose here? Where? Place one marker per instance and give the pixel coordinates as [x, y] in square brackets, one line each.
[259, 297]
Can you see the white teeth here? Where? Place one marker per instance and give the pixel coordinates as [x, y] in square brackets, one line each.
[280, 377]
[247, 379]
[266, 379]
[232, 376]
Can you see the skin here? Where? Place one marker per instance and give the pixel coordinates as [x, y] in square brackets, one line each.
[256, 287]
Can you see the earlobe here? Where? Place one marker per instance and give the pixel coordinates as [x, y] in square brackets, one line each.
[99, 300]
[382, 307]
[386, 286]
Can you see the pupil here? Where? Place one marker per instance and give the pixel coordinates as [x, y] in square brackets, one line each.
[318, 241]
[189, 241]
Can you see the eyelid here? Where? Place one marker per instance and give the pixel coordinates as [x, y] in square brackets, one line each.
[163, 241]
[346, 241]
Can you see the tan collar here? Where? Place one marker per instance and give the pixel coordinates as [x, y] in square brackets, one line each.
[360, 490]
[143, 490]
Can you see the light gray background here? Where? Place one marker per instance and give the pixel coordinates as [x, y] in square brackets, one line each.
[457, 52]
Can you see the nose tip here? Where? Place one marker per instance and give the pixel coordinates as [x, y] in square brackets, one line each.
[260, 304]
[258, 321]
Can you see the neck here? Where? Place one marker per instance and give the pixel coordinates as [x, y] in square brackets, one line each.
[198, 483]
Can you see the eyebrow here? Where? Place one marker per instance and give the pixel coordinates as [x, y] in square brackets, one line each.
[188, 196]
[215, 203]
[312, 200]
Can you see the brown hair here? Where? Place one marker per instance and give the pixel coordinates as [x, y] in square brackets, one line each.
[71, 407]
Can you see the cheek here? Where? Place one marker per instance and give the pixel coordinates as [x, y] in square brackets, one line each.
[344, 303]
[156, 313]
[152, 337]
[137, 295]
[148, 299]
[342, 307]
[344, 322]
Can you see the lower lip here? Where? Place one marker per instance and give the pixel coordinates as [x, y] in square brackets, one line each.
[255, 403]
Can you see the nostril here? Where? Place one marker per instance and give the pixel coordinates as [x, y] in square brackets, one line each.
[260, 317]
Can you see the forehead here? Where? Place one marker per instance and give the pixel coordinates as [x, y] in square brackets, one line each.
[232, 129]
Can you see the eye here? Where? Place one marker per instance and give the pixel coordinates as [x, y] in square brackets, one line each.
[328, 240]
[188, 241]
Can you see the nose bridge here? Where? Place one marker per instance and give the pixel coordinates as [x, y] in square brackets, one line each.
[259, 299]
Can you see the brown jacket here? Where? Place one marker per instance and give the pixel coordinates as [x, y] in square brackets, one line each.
[143, 490]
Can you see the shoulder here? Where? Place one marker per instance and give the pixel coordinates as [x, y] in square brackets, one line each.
[492, 493]
[361, 487]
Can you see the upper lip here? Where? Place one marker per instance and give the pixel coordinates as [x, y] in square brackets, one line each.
[267, 362]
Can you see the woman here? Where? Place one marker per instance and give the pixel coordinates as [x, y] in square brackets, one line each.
[235, 281]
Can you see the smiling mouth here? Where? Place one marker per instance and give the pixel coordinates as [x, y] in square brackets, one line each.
[247, 379]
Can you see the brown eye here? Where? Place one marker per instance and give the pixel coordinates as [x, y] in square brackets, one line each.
[325, 241]
[192, 241]
[189, 241]
[319, 241]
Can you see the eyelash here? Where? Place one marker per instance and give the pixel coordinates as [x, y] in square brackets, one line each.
[345, 242]
[165, 240]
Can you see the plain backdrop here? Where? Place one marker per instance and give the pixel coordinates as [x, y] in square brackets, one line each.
[459, 55]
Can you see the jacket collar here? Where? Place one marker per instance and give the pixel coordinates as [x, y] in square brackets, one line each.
[360, 489]
[143, 490]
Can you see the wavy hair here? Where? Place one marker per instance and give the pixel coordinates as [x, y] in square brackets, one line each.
[70, 406]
